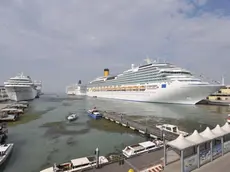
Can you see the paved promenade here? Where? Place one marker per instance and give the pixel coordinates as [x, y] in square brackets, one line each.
[140, 162]
[221, 164]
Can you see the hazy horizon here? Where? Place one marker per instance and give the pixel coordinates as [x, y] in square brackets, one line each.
[61, 42]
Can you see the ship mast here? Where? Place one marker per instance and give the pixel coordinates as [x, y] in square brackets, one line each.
[148, 60]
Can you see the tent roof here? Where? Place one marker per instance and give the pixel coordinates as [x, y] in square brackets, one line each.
[219, 131]
[208, 133]
[197, 138]
[181, 143]
[226, 127]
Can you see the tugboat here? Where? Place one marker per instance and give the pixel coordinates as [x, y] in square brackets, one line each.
[94, 113]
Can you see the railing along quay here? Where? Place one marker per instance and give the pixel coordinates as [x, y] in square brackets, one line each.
[149, 131]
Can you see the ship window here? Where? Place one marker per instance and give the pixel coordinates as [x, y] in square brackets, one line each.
[174, 129]
[151, 147]
[138, 150]
[168, 128]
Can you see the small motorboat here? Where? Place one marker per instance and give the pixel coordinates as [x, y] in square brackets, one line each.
[228, 119]
[77, 165]
[141, 148]
[72, 117]
[171, 128]
[5, 151]
[94, 113]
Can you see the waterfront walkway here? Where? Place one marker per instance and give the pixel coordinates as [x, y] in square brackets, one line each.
[220, 164]
[140, 162]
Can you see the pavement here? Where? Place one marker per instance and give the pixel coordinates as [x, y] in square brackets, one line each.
[221, 164]
[139, 163]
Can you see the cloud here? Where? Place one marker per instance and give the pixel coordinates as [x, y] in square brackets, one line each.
[63, 41]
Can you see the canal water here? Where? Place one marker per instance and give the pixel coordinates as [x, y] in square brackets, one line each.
[46, 137]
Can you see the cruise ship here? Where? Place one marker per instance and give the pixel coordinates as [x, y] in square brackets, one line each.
[20, 88]
[76, 89]
[153, 82]
[3, 94]
[38, 85]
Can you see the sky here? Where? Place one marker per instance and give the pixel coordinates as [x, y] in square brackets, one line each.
[62, 41]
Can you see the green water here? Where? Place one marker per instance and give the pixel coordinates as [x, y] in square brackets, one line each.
[46, 137]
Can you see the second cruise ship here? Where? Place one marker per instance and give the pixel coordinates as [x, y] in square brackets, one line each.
[153, 82]
[20, 88]
[76, 89]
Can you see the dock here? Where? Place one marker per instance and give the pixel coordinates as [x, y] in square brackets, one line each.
[149, 131]
[141, 163]
[9, 117]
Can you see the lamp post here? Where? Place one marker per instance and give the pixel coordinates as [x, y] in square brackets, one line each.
[165, 150]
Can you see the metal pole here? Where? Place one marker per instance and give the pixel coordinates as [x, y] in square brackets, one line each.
[97, 157]
[165, 150]
[211, 150]
[198, 156]
[222, 145]
[182, 160]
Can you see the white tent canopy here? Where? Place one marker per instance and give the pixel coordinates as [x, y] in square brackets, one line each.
[181, 143]
[218, 131]
[226, 127]
[207, 133]
[197, 138]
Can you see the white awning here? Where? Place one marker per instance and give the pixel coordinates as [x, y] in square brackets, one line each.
[197, 138]
[226, 127]
[219, 131]
[208, 134]
[181, 143]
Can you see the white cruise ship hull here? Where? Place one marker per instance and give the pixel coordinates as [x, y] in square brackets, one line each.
[21, 93]
[174, 93]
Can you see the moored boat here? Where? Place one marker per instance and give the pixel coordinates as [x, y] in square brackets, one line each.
[94, 113]
[72, 117]
[12, 110]
[18, 106]
[5, 151]
[77, 165]
[171, 128]
[143, 147]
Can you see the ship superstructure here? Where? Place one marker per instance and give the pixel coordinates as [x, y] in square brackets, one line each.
[20, 88]
[152, 82]
[38, 85]
[76, 89]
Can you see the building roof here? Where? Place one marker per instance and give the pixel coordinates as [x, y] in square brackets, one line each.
[226, 127]
[196, 138]
[208, 134]
[219, 131]
[181, 143]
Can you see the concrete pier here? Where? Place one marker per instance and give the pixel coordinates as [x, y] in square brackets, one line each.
[150, 131]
